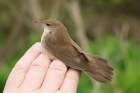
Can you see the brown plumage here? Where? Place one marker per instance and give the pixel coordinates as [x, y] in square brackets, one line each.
[57, 44]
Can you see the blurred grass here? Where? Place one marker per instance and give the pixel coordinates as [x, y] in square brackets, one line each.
[126, 65]
[124, 57]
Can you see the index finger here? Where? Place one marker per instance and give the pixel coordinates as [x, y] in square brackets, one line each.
[18, 73]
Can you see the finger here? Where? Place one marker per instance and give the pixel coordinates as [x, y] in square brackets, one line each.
[54, 77]
[70, 82]
[36, 73]
[18, 73]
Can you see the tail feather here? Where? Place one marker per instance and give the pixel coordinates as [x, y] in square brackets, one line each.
[102, 63]
[98, 77]
[99, 69]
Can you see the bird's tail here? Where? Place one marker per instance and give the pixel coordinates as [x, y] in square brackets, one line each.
[99, 69]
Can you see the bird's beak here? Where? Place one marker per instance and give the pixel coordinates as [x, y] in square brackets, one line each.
[40, 22]
[37, 21]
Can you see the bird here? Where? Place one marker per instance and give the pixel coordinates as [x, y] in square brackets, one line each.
[57, 44]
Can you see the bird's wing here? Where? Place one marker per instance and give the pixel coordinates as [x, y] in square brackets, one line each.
[79, 49]
[66, 53]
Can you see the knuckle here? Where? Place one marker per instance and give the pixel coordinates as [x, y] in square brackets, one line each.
[41, 62]
[18, 68]
[38, 66]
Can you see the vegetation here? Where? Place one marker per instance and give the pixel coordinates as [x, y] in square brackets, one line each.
[112, 31]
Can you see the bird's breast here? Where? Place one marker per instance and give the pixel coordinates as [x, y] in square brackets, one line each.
[47, 52]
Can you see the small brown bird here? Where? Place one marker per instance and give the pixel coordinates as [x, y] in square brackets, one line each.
[57, 44]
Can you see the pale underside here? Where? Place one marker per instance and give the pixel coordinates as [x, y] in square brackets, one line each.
[44, 50]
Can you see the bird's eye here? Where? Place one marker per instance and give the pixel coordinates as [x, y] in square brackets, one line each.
[48, 24]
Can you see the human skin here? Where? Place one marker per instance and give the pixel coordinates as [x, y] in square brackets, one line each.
[36, 73]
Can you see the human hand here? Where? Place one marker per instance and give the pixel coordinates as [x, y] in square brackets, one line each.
[35, 73]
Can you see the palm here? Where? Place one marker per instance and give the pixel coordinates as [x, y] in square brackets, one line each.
[35, 73]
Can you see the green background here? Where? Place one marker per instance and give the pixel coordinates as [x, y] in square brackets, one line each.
[111, 29]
